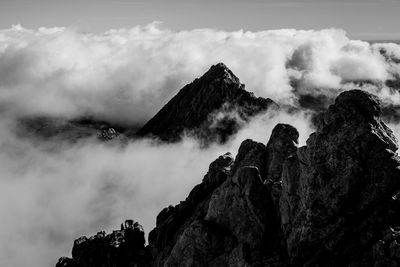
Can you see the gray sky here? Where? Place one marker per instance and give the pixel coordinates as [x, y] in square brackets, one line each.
[364, 19]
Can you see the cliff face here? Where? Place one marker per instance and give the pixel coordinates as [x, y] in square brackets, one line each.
[336, 197]
[333, 202]
[211, 108]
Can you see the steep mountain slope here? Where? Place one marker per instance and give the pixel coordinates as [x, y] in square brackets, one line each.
[211, 108]
[334, 202]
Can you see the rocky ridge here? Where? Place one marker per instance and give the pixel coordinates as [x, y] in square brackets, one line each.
[333, 202]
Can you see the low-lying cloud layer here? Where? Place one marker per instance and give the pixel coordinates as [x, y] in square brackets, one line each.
[53, 192]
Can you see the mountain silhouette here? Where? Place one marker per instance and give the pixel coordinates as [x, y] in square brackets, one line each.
[211, 108]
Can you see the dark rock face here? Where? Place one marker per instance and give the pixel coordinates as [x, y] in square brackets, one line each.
[211, 108]
[125, 247]
[334, 202]
[337, 190]
[237, 223]
[232, 223]
[282, 143]
[186, 217]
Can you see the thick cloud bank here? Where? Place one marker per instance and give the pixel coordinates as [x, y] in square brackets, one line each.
[126, 75]
[53, 192]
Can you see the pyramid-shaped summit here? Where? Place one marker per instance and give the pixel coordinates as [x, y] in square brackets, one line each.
[212, 108]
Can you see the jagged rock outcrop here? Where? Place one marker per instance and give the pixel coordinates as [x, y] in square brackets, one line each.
[337, 190]
[185, 218]
[236, 224]
[211, 108]
[333, 202]
[121, 248]
[282, 143]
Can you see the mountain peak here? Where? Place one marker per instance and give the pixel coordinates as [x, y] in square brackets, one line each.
[194, 109]
[220, 71]
[359, 103]
[356, 109]
[219, 65]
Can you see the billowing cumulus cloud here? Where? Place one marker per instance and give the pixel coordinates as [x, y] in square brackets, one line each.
[126, 75]
[54, 192]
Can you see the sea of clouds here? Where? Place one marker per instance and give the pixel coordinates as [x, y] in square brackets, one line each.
[53, 192]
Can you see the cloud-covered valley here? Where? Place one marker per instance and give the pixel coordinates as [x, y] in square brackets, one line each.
[55, 191]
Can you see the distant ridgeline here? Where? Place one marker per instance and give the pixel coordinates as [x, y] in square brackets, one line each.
[333, 202]
[211, 109]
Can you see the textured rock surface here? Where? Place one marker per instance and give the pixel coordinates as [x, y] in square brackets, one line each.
[337, 190]
[212, 108]
[175, 224]
[122, 248]
[333, 202]
[238, 224]
[282, 143]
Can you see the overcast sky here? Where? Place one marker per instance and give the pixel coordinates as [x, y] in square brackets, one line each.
[364, 19]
